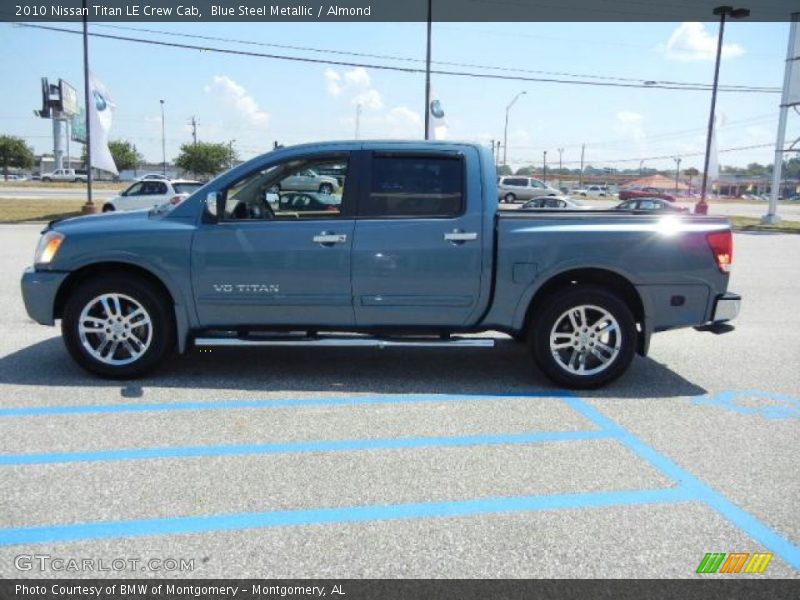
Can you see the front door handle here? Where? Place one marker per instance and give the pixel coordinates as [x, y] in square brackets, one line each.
[459, 237]
[327, 239]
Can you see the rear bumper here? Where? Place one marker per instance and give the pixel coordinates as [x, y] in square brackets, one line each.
[39, 289]
[726, 308]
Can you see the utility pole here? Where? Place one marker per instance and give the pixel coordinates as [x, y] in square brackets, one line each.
[641, 165]
[194, 130]
[677, 160]
[358, 119]
[230, 154]
[560, 167]
[497, 159]
[428, 76]
[163, 142]
[580, 177]
[89, 207]
[544, 167]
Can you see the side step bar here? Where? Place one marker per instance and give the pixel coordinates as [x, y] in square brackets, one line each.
[368, 342]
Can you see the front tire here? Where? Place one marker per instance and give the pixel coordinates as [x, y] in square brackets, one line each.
[118, 328]
[510, 198]
[108, 208]
[583, 337]
[325, 188]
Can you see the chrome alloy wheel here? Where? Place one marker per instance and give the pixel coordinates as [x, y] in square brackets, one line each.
[115, 329]
[585, 340]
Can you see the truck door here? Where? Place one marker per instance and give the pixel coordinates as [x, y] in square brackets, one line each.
[262, 263]
[418, 250]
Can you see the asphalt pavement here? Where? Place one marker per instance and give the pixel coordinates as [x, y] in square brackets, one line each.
[410, 462]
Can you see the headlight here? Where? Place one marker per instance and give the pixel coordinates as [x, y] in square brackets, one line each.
[47, 247]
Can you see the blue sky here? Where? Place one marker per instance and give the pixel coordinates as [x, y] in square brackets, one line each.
[255, 101]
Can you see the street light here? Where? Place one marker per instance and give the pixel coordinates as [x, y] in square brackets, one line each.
[163, 142]
[735, 13]
[560, 165]
[505, 131]
[230, 153]
[641, 167]
[677, 160]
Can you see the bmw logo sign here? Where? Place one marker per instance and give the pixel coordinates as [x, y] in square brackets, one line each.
[99, 101]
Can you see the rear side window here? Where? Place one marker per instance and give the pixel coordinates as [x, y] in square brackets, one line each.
[411, 186]
[515, 182]
[186, 188]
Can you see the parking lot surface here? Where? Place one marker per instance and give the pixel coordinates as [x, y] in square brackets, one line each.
[327, 462]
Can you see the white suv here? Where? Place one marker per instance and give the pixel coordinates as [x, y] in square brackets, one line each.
[513, 188]
[66, 175]
[152, 192]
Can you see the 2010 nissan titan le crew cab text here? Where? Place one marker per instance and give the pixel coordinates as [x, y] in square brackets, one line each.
[408, 250]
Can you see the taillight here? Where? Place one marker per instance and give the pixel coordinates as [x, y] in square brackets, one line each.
[721, 244]
[175, 199]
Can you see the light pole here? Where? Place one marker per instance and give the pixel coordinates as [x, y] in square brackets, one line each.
[641, 168]
[560, 165]
[230, 153]
[163, 142]
[505, 131]
[89, 207]
[735, 13]
[358, 119]
[544, 167]
[677, 160]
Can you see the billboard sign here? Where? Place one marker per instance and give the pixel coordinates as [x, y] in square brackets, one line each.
[77, 127]
[69, 98]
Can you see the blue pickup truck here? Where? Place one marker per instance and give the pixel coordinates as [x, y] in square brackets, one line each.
[410, 250]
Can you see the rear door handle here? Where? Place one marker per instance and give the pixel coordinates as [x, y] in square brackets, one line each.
[330, 238]
[460, 236]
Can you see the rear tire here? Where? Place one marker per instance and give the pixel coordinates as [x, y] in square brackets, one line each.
[325, 188]
[583, 337]
[118, 328]
[510, 198]
[108, 208]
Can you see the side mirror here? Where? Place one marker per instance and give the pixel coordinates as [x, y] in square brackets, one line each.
[215, 205]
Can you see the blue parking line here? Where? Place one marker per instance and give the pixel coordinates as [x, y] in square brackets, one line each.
[321, 516]
[33, 411]
[300, 447]
[751, 526]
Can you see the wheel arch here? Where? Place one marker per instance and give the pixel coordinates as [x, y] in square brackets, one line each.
[600, 277]
[108, 268]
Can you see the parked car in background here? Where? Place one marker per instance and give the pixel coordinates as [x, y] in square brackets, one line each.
[13, 177]
[514, 188]
[309, 180]
[74, 175]
[645, 192]
[550, 202]
[593, 190]
[153, 176]
[307, 202]
[152, 192]
[652, 205]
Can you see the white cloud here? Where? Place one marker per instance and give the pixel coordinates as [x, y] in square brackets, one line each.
[354, 85]
[237, 96]
[630, 124]
[692, 42]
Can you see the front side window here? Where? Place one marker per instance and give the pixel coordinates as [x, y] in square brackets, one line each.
[411, 186]
[134, 190]
[295, 189]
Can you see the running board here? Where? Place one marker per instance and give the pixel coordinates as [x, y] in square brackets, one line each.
[369, 342]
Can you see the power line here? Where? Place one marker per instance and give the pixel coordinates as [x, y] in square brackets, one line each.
[647, 85]
[663, 157]
[419, 60]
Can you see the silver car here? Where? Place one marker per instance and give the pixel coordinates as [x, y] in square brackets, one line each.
[513, 189]
[309, 180]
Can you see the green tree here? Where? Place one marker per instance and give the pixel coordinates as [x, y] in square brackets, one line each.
[525, 171]
[14, 152]
[503, 170]
[205, 159]
[125, 155]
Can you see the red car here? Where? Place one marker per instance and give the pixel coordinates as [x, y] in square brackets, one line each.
[647, 192]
